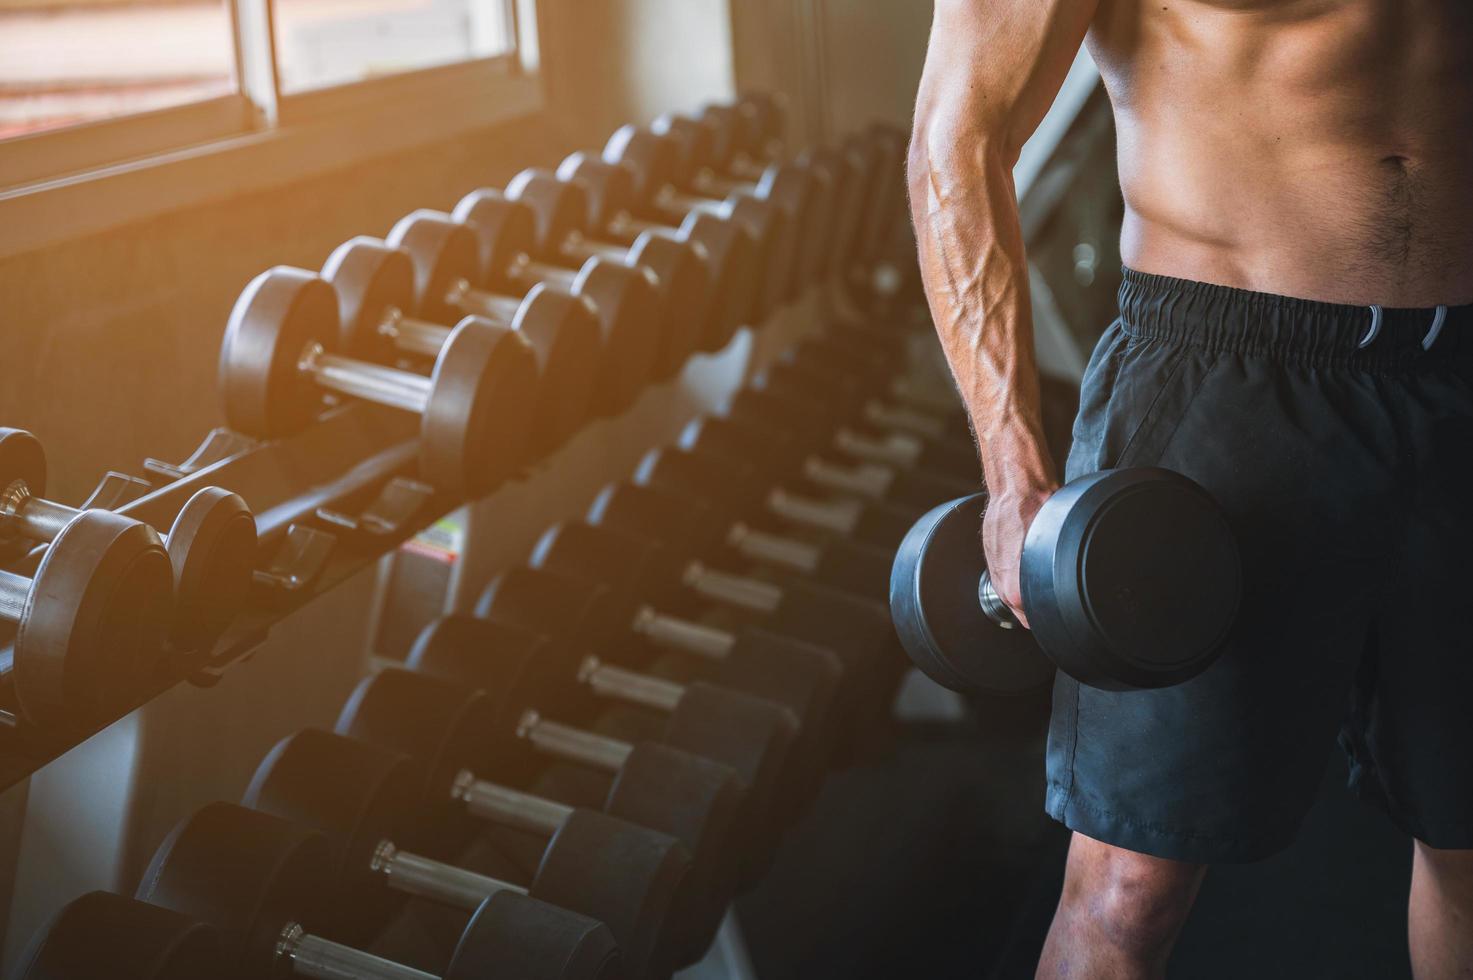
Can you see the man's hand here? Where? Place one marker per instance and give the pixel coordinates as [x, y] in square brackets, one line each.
[1019, 480]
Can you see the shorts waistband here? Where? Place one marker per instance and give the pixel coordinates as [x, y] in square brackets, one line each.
[1229, 319]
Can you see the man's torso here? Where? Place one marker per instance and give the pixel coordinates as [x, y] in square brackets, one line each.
[1316, 148]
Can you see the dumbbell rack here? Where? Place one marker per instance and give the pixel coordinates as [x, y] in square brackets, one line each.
[329, 502]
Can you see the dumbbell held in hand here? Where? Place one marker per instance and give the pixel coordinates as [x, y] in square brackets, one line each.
[1130, 579]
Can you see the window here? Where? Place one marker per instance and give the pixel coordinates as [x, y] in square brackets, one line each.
[88, 83]
[332, 42]
[68, 63]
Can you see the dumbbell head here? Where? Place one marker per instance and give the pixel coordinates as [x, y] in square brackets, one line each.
[359, 796]
[649, 157]
[102, 936]
[630, 312]
[279, 316]
[505, 230]
[560, 208]
[372, 279]
[621, 874]
[246, 873]
[212, 547]
[443, 253]
[776, 237]
[92, 624]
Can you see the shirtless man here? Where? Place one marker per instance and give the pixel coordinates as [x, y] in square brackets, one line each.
[1315, 149]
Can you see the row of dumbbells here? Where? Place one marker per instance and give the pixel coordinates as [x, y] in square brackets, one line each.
[507, 326]
[575, 780]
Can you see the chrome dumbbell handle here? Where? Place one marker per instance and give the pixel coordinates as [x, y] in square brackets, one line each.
[413, 874]
[683, 635]
[313, 956]
[371, 382]
[997, 610]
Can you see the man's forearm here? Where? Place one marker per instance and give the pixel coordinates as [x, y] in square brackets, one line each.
[976, 278]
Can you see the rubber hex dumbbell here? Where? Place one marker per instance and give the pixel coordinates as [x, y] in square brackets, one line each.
[384, 314]
[740, 489]
[102, 936]
[262, 882]
[651, 158]
[695, 800]
[633, 569]
[277, 363]
[633, 879]
[733, 253]
[582, 620]
[364, 799]
[478, 260]
[567, 236]
[91, 622]
[1130, 579]
[212, 543]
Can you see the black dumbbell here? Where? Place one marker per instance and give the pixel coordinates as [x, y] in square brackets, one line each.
[102, 936]
[277, 363]
[364, 799]
[91, 621]
[742, 490]
[262, 882]
[384, 315]
[567, 235]
[652, 160]
[582, 620]
[633, 879]
[733, 253]
[1130, 579]
[640, 571]
[693, 799]
[478, 260]
[211, 544]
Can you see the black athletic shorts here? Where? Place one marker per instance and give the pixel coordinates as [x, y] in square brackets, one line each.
[1339, 441]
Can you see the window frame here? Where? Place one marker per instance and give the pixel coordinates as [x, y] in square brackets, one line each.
[78, 179]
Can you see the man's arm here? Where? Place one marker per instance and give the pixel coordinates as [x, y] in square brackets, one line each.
[992, 70]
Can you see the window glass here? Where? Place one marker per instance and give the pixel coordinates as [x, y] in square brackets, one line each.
[332, 42]
[63, 63]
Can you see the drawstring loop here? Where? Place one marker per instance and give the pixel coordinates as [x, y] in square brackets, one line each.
[1438, 319]
[1377, 315]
